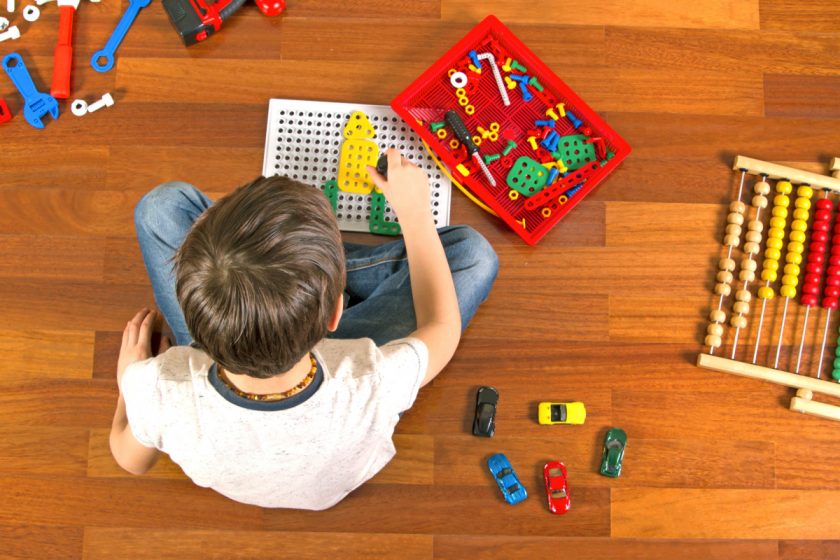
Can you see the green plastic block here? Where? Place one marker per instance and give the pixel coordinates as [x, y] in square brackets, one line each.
[377, 216]
[527, 176]
[575, 152]
[330, 189]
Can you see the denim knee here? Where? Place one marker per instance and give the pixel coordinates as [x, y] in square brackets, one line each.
[476, 254]
[162, 203]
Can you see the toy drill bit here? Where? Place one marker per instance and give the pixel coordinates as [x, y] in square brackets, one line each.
[463, 135]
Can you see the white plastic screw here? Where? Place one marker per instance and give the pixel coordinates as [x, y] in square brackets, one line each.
[12, 33]
[10, 6]
[4, 24]
[106, 101]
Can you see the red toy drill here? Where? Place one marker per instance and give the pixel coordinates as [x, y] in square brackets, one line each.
[195, 20]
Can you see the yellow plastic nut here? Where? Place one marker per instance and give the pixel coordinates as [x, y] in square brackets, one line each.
[513, 195]
[441, 133]
[546, 212]
[454, 144]
[469, 109]
[463, 101]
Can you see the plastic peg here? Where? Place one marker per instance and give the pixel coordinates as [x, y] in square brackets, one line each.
[526, 94]
[506, 65]
[474, 58]
[516, 66]
[552, 114]
[535, 83]
[435, 126]
[533, 142]
[510, 83]
[510, 146]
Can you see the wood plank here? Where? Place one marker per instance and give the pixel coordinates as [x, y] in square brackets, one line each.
[70, 166]
[739, 514]
[808, 550]
[43, 450]
[140, 544]
[58, 212]
[487, 547]
[57, 258]
[45, 354]
[790, 15]
[729, 14]
[801, 96]
[34, 403]
[24, 542]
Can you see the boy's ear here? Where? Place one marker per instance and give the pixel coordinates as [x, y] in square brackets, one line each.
[339, 309]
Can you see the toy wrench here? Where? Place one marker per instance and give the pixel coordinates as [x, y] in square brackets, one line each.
[107, 54]
[36, 104]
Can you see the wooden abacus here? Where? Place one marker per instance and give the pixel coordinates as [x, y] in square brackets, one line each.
[822, 267]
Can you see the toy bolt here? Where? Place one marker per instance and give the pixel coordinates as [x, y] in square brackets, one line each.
[12, 33]
[106, 101]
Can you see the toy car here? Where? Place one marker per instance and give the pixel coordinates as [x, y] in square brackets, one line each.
[614, 445]
[561, 413]
[484, 424]
[508, 482]
[557, 487]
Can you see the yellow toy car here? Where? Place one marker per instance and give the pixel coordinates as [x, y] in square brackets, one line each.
[561, 413]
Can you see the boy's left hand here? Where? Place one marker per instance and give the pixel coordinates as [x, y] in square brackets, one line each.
[137, 340]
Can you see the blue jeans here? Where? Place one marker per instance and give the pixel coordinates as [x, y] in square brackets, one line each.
[378, 293]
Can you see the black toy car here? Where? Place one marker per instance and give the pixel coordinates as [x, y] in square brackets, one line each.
[485, 412]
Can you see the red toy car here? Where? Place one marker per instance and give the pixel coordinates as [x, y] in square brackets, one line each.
[557, 487]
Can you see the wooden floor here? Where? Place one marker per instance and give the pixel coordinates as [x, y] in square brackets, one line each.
[609, 309]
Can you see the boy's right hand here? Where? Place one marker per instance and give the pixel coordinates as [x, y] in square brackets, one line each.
[407, 188]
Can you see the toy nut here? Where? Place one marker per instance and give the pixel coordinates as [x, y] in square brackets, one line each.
[79, 107]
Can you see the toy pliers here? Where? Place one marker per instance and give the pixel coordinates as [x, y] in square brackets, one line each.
[63, 62]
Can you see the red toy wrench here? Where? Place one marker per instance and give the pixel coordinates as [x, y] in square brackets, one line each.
[63, 62]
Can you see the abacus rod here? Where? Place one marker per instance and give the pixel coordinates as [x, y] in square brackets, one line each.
[781, 333]
[746, 286]
[822, 348]
[775, 171]
[760, 324]
[802, 340]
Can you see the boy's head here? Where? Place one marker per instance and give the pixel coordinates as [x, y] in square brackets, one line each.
[260, 275]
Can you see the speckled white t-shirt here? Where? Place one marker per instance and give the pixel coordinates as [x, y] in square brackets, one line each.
[309, 456]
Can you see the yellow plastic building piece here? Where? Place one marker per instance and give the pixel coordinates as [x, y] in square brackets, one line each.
[357, 152]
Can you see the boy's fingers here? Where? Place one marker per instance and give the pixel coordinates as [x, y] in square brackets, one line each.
[146, 327]
[395, 158]
[378, 179]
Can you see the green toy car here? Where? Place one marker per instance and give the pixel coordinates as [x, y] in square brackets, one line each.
[614, 445]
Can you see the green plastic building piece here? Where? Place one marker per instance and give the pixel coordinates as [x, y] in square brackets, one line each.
[435, 126]
[377, 216]
[511, 145]
[516, 66]
[574, 151]
[533, 81]
[488, 158]
[330, 189]
[527, 176]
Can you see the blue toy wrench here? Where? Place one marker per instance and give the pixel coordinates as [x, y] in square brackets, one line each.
[107, 54]
[36, 104]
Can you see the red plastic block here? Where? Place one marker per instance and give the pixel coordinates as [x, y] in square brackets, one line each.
[429, 97]
[5, 113]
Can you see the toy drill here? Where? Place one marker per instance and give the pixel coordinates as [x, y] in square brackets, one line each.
[196, 20]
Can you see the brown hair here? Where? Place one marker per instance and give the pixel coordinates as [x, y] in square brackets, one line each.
[259, 276]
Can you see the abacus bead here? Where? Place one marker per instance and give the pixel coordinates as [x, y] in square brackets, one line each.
[717, 315]
[776, 233]
[833, 270]
[751, 247]
[795, 247]
[819, 235]
[722, 289]
[749, 264]
[822, 215]
[779, 212]
[781, 200]
[832, 281]
[831, 291]
[829, 302]
[772, 254]
[787, 291]
[737, 206]
[784, 187]
[836, 365]
[816, 251]
[812, 281]
[774, 242]
[759, 201]
[715, 329]
[713, 341]
[835, 374]
[762, 187]
[746, 276]
[727, 264]
[733, 229]
[798, 225]
[738, 322]
[803, 203]
[735, 218]
[809, 300]
[813, 289]
[731, 241]
[741, 307]
[800, 214]
[795, 258]
[724, 276]
[805, 191]
[778, 223]
[755, 225]
[768, 275]
[797, 236]
[765, 292]
[743, 295]
[792, 270]
[824, 204]
[771, 264]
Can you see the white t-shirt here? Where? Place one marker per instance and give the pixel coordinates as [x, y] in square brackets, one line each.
[309, 456]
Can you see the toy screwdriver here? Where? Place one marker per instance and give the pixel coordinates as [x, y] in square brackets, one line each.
[463, 136]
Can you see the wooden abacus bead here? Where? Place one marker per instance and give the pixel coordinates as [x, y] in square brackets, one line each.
[755, 225]
[741, 307]
[738, 321]
[746, 276]
[749, 264]
[715, 329]
[737, 206]
[743, 295]
[717, 316]
[759, 201]
[801, 214]
[808, 300]
[713, 341]
[732, 240]
[733, 229]
[752, 247]
[723, 289]
[724, 276]
[727, 264]
[735, 218]
[762, 187]
[769, 275]
[753, 236]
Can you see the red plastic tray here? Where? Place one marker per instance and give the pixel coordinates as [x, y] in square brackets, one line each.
[429, 97]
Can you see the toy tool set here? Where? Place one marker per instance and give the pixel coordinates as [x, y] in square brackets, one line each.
[509, 130]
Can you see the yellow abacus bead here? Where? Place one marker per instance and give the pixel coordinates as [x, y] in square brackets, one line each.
[768, 276]
[731, 241]
[787, 291]
[790, 282]
[766, 292]
[779, 211]
[784, 187]
[743, 295]
[803, 203]
[751, 247]
[733, 229]
[737, 206]
[759, 201]
[771, 264]
[798, 225]
[776, 233]
[746, 276]
[723, 289]
[805, 191]
[741, 307]
[792, 270]
[774, 243]
[713, 341]
[794, 258]
[778, 223]
[795, 247]
[797, 236]
[762, 187]
[781, 200]
[717, 315]
[748, 264]
[715, 329]
[773, 254]
[727, 264]
[724, 276]
[801, 214]
[735, 218]
[738, 321]
[755, 225]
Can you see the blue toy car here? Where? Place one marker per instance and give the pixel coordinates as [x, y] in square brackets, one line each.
[508, 482]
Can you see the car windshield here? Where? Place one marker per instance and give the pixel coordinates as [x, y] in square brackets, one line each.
[558, 413]
[503, 473]
[555, 472]
[512, 488]
[558, 494]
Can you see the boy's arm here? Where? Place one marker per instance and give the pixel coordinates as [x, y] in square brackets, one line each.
[435, 302]
[129, 453]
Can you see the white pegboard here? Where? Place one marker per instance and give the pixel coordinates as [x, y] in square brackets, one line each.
[303, 141]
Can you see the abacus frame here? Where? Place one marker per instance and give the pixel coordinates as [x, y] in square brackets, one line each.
[806, 386]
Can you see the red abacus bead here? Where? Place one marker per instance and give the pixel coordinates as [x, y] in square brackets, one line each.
[816, 259]
[809, 300]
[820, 226]
[812, 278]
[833, 271]
[832, 291]
[834, 260]
[810, 289]
[819, 236]
[816, 246]
[829, 303]
[832, 280]
[824, 204]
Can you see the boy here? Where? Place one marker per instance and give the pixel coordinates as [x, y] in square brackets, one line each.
[254, 401]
